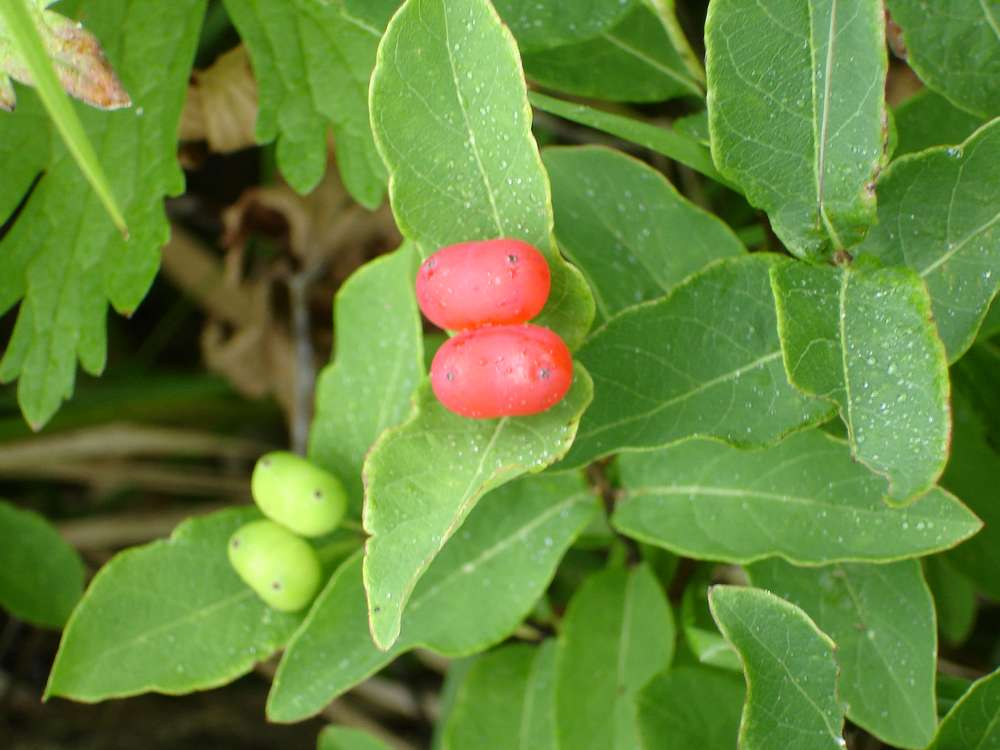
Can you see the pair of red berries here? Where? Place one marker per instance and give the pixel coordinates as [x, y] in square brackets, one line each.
[497, 365]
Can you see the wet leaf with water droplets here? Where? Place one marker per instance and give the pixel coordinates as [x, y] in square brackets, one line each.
[171, 617]
[626, 227]
[480, 586]
[451, 119]
[703, 361]
[423, 478]
[804, 500]
[939, 215]
[796, 110]
[882, 620]
[864, 339]
[790, 671]
[377, 366]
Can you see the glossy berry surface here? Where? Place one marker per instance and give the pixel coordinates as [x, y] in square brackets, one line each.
[280, 567]
[502, 371]
[298, 494]
[493, 282]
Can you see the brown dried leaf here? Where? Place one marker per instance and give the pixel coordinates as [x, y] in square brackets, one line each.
[78, 59]
[221, 106]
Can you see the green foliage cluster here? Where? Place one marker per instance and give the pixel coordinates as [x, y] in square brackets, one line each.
[814, 416]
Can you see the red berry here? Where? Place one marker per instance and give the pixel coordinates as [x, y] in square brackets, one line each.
[493, 282]
[502, 371]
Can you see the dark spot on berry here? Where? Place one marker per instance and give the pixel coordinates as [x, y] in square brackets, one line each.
[376, 609]
[449, 376]
[276, 585]
[431, 264]
[265, 462]
[236, 543]
[512, 259]
[544, 373]
[318, 494]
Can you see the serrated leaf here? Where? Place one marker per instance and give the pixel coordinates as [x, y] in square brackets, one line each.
[545, 24]
[24, 151]
[626, 228]
[938, 214]
[954, 599]
[864, 339]
[345, 738]
[377, 365]
[41, 576]
[972, 473]
[882, 620]
[691, 707]
[455, 133]
[617, 634]
[170, 617]
[62, 255]
[972, 723]
[77, 65]
[506, 701]
[790, 672]
[477, 590]
[927, 119]
[313, 64]
[703, 361]
[796, 113]
[642, 58]
[804, 500]
[954, 46]
[423, 478]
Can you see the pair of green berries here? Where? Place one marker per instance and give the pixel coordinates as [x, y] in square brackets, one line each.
[270, 555]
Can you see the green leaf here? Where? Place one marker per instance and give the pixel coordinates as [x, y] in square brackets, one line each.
[617, 634]
[672, 143]
[954, 599]
[41, 576]
[991, 323]
[703, 361]
[882, 620]
[377, 365]
[423, 478]
[927, 119]
[374, 13]
[344, 738]
[506, 701]
[865, 340]
[700, 632]
[553, 23]
[458, 670]
[804, 500]
[796, 113]
[624, 225]
[691, 707]
[482, 584]
[22, 21]
[455, 133]
[971, 474]
[791, 675]
[313, 63]
[973, 722]
[24, 152]
[61, 254]
[643, 58]
[938, 215]
[954, 47]
[170, 617]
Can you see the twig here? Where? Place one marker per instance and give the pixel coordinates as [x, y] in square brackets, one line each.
[126, 529]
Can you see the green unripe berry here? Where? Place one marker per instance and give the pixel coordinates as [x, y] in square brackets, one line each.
[298, 494]
[282, 568]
